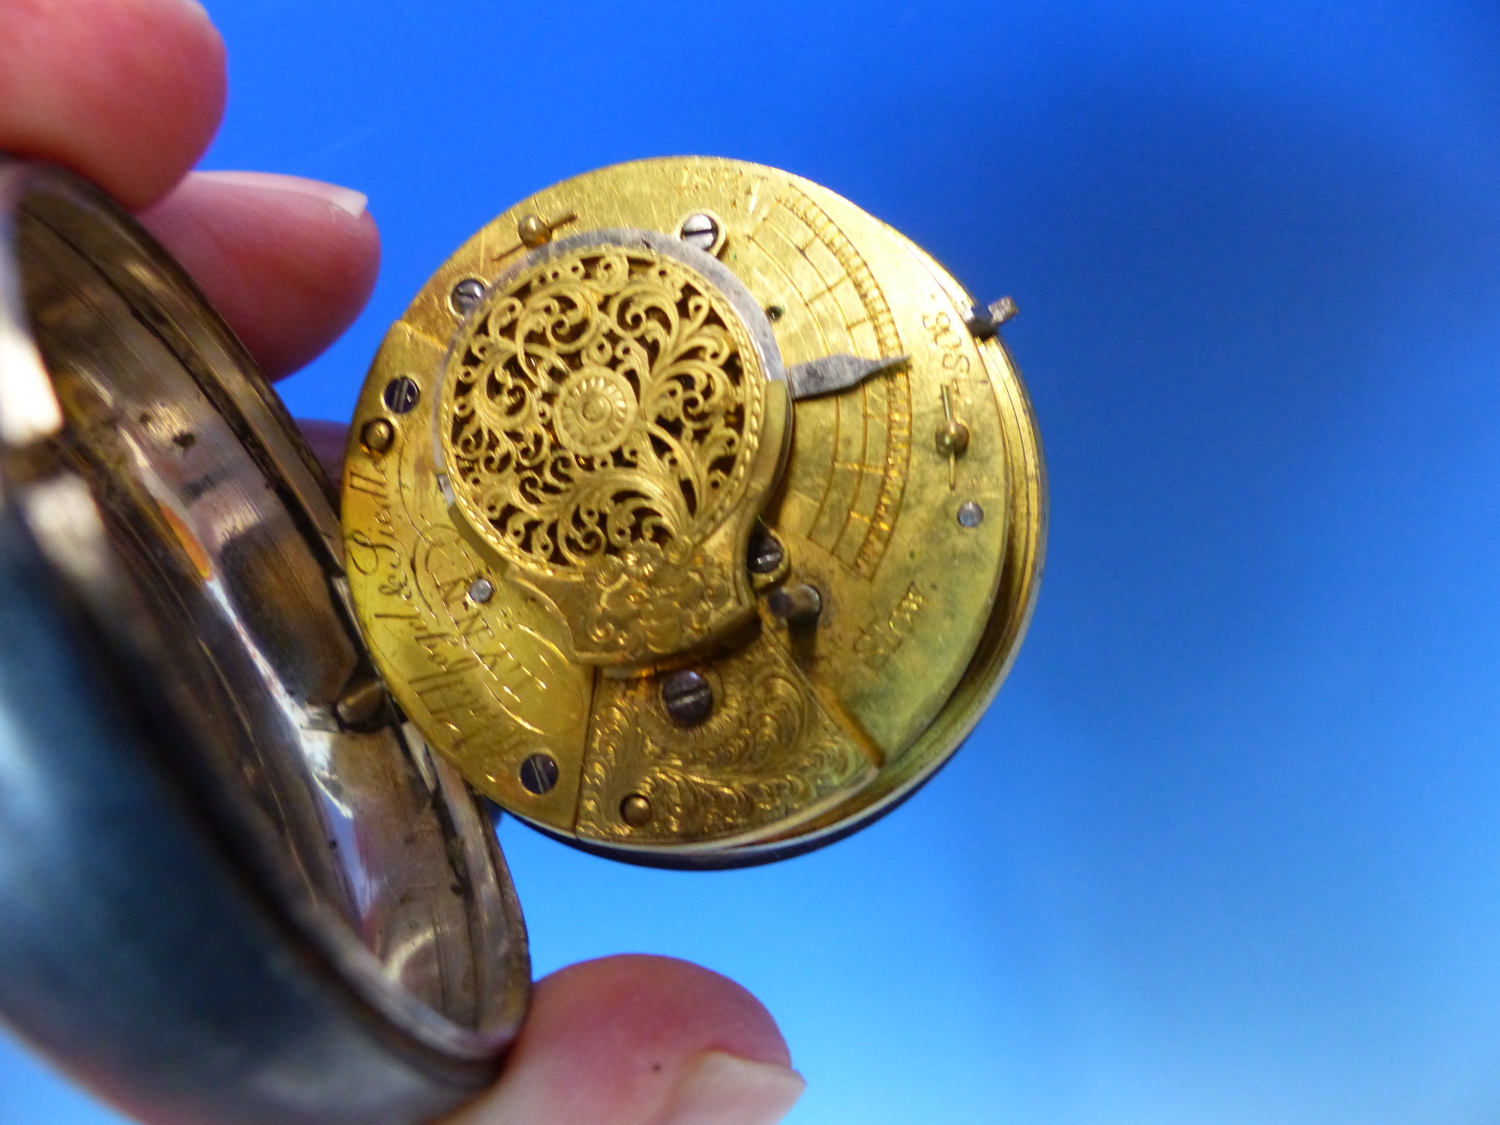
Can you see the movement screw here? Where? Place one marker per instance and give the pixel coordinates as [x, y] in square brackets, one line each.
[539, 773]
[401, 394]
[466, 294]
[952, 438]
[688, 697]
[700, 230]
[985, 322]
[765, 553]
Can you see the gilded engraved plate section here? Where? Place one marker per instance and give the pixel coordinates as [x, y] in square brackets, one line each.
[600, 417]
[907, 600]
[896, 659]
[768, 757]
[487, 682]
[1025, 503]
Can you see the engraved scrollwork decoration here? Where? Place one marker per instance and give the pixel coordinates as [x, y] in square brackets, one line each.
[767, 755]
[601, 414]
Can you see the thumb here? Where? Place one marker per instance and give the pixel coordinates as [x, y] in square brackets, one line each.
[640, 1040]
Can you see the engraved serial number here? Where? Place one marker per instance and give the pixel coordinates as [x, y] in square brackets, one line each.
[743, 189]
[877, 645]
[945, 337]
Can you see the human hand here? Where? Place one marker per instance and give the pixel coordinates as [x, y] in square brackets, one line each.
[128, 93]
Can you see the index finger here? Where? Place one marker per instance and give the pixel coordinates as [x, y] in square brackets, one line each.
[126, 92]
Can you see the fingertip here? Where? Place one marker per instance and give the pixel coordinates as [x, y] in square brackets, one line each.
[126, 92]
[663, 1000]
[639, 1040]
[288, 262]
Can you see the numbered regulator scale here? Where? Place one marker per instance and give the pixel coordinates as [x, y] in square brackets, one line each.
[693, 514]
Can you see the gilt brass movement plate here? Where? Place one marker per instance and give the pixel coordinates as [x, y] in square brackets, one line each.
[691, 513]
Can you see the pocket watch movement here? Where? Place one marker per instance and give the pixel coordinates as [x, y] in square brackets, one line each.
[693, 514]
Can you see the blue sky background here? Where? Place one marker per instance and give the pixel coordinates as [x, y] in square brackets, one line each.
[1227, 849]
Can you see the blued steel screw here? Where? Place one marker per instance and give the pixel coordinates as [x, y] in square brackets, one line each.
[401, 394]
[539, 773]
[970, 514]
[765, 553]
[688, 697]
[466, 294]
[700, 231]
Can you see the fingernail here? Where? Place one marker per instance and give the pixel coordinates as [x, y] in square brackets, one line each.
[348, 200]
[197, 9]
[720, 1089]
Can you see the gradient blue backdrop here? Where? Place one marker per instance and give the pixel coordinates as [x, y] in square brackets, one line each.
[1227, 849]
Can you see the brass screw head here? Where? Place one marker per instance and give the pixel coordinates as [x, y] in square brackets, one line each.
[635, 810]
[952, 438]
[534, 231]
[377, 435]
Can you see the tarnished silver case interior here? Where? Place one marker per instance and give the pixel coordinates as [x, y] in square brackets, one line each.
[223, 896]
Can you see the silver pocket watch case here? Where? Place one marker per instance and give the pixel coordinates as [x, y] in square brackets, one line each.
[234, 887]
